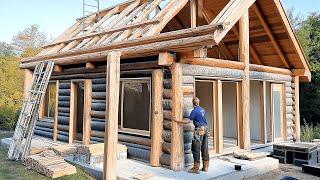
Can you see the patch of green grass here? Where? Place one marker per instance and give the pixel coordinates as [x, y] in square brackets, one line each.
[17, 171]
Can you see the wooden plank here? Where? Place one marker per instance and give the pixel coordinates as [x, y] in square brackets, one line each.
[200, 53]
[244, 57]
[111, 126]
[73, 111]
[267, 28]
[177, 150]
[239, 113]
[218, 114]
[157, 117]
[297, 108]
[28, 76]
[193, 13]
[87, 111]
[55, 122]
[263, 110]
[166, 59]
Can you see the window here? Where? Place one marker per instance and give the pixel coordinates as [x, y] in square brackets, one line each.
[135, 106]
[50, 101]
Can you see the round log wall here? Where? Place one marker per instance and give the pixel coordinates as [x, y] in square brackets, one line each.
[64, 111]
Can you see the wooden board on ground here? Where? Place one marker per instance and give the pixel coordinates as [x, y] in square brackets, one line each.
[49, 164]
[98, 149]
[251, 156]
[64, 150]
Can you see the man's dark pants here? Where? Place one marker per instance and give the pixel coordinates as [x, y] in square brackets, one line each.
[200, 146]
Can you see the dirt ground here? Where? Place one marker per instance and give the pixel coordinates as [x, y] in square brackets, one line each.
[285, 170]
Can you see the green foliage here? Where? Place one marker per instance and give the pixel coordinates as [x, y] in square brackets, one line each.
[29, 42]
[310, 132]
[309, 36]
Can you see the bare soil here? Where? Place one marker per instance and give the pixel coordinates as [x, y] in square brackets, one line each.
[285, 170]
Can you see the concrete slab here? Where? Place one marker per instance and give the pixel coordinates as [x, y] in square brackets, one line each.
[222, 167]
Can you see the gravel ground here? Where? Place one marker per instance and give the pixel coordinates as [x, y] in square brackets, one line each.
[285, 170]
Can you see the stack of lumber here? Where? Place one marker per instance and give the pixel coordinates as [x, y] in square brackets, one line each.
[93, 154]
[64, 150]
[251, 156]
[37, 150]
[49, 164]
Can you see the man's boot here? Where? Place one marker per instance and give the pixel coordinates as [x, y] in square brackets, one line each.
[205, 166]
[195, 168]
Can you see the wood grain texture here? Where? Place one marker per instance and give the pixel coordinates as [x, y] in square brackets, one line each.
[56, 106]
[177, 151]
[263, 110]
[218, 114]
[73, 111]
[111, 126]
[297, 108]
[87, 111]
[244, 57]
[157, 117]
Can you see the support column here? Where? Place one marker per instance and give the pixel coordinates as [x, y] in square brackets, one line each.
[55, 122]
[263, 110]
[111, 126]
[28, 73]
[157, 117]
[87, 111]
[218, 130]
[177, 145]
[73, 111]
[297, 107]
[239, 113]
[244, 57]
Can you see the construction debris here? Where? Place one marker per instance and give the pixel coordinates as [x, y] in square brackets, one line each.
[143, 176]
[49, 164]
[251, 156]
[93, 154]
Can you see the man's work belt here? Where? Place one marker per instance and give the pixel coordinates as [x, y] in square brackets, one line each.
[199, 131]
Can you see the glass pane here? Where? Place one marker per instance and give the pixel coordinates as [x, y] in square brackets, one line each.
[277, 113]
[136, 105]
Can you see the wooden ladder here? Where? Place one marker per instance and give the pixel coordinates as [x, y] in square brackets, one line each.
[30, 112]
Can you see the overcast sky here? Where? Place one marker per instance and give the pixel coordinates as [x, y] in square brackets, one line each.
[54, 16]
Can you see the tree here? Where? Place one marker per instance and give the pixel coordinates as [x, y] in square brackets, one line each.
[30, 38]
[309, 36]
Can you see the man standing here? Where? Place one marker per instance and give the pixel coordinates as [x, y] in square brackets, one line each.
[200, 137]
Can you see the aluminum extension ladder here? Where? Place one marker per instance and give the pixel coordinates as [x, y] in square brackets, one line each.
[19, 148]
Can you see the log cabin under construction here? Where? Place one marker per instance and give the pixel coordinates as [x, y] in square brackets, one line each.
[130, 73]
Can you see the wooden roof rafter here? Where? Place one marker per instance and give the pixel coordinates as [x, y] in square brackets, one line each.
[131, 20]
[267, 28]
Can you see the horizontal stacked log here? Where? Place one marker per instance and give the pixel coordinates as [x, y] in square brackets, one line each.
[44, 127]
[98, 107]
[64, 111]
[188, 93]
[290, 110]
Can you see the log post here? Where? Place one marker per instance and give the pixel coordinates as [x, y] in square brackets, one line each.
[157, 117]
[55, 122]
[297, 107]
[73, 111]
[177, 146]
[263, 110]
[218, 130]
[239, 113]
[28, 73]
[111, 116]
[87, 111]
[244, 57]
